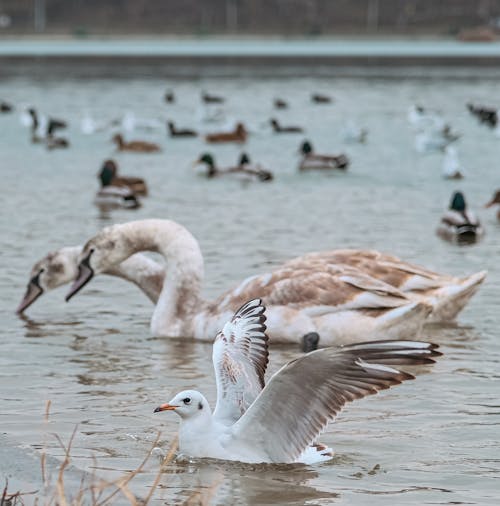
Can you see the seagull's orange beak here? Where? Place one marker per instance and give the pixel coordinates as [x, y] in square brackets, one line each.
[165, 407]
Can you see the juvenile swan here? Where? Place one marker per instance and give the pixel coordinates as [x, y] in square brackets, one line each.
[337, 301]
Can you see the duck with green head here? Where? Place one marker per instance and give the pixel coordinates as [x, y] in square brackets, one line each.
[312, 161]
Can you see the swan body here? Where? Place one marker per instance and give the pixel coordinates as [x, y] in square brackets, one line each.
[339, 302]
[60, 267]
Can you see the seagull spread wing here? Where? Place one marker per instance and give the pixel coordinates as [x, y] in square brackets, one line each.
[307, 393]
[240, 356]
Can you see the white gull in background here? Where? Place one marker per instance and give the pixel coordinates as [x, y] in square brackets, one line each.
[279, 422]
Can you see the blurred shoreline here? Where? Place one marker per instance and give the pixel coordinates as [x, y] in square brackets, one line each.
[229, 56]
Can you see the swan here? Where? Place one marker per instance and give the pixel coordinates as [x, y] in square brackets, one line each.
[447, 294]
[60, 267]
[340, 303]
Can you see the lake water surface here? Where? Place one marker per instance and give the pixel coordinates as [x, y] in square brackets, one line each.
[431, 441]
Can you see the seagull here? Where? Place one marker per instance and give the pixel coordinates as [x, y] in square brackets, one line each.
[279, 422]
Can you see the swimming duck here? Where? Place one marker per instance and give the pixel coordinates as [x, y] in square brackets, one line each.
[312, 161]
[493, 201]
[341, 303]
[211, 99]
[279, 129]
[179, 133]
[108, 176]
[242, 171]
[447, 294]
[487, 115]
[5, 107]
[280, 104]
[116, 197]
[40, 125]
[458, 224]
[239, 134]
[53, 142]
[318, 98]
[137, 146]
[60, 267]
[169, 97]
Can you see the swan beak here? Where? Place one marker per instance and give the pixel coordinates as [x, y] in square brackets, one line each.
[85, 274]
[33, 291]
[165, 407]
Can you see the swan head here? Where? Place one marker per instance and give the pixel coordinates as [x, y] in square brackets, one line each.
[105, 250]
[188, 404]
[56, 269]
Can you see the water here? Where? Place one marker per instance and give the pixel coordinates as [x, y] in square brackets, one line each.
[430, 441]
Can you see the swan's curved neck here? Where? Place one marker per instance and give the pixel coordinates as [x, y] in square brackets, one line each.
[180, 296]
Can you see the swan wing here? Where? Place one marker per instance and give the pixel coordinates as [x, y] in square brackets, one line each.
[307, 393]
[240, 356]
[337, 287]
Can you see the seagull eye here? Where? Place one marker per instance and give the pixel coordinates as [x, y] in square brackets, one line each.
[186, 401]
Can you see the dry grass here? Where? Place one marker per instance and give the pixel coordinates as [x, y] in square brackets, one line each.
[93, 491]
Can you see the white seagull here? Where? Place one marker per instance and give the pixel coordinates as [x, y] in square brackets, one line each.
[279, 422]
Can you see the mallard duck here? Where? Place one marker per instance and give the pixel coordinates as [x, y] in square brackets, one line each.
[312, 161]
[180, 133]
[239, 134]
[341, 303]
[53, 142]
[487, 115]
[318, 98]
[280, 103]
[136, 146]
[495, 200]
[60, 267]
[5, 107]
[451, 165]
[211, 99]
[242, 171]
[279, 129]
[114, 197]
[169, 97]
[108, 176]
[458, 224]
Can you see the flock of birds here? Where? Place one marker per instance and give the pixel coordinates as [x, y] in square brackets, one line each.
[349, 310]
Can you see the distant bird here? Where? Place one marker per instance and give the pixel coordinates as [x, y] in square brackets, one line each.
[423, 119]
[318, 98]
[279, 129]
[130, 122]
[280, 104]
[5, 107]
[435, 140]
[113, 197]
[458, 224]
[313, 161]
[88, 125]
[495, 201]
[181, 132]
[487, 115]
[136, 146]
[108, 175]
[53, 142]
[169, 97]
[239, 134]
[354, 134]
[242, 171]
[211, 99]
[40, 125]
[451, 165]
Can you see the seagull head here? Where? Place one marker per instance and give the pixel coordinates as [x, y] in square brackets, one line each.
[187, 404]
